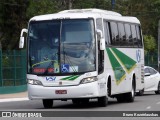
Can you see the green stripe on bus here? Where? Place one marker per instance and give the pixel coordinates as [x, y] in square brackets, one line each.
[127, 62]
[117, 68]
[72, 77]
[66, 78]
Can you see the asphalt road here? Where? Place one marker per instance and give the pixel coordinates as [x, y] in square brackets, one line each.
[148, 102]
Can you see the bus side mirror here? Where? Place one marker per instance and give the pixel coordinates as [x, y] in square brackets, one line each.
[101, 39]
[102, 44]
[21, 42]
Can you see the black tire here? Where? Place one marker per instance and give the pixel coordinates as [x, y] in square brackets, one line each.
[158, 89]
[141, 92]
[120, 98]
[131, 95]
[103, 101]
[47, 103]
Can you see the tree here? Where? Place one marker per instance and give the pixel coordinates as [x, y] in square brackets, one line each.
[14, 14]
[39, 7]
[12, 20]
[149, 43]
[101, 4]
[147, 11]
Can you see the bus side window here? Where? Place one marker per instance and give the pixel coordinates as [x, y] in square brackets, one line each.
[114, 32]
[106, 33]
[134, 35]
[122, 35]
[128, 34]
[139, 39]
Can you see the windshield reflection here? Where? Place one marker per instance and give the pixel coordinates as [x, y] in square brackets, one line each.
[61, 46]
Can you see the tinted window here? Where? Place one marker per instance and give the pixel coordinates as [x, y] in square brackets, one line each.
[50, 55]
[138, 36]
[146, 70]
[128, 34]
[114, 33]
[99, 24]
[134, 35]
[106, 33]
[152, 71]
[122, 34]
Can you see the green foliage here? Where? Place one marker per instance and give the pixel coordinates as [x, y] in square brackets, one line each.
[12, 20]
[101, 4]
[15, 14]
[147, 11]
[5, 61]
[149, 43]
[41, 7]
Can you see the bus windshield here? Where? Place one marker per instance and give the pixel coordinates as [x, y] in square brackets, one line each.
[61, 46]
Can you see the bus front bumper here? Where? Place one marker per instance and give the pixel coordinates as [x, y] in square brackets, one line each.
[89, 90]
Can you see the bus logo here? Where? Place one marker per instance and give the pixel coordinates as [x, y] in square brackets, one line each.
[138, 55]
[50, 78]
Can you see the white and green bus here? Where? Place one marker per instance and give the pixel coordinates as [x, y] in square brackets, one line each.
[84, 54]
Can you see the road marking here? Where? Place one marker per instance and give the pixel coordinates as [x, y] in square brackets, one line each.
[13, 99]
[149, 107]
[158, 102]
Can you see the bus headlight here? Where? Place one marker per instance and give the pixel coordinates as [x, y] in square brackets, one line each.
[88, 80]
[34, 82]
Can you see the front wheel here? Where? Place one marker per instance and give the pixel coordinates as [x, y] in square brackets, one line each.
[47, 103]
[103, 101]
[158, 90]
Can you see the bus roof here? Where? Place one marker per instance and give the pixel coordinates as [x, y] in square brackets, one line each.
[91, 11]
[86, 13]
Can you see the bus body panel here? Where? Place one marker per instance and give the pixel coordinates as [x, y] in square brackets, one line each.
[51, 81]
[126, 81]
[88, 90]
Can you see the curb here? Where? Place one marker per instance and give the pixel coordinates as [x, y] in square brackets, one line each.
[13, 99]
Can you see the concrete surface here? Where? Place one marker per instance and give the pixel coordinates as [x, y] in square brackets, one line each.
[14, 95]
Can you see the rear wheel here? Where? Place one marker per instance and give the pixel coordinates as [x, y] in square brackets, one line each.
[158, 90]
[102, 101]
[47, 103]
[130, 96]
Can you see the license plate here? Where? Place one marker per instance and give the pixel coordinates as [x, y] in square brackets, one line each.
[61, 91]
